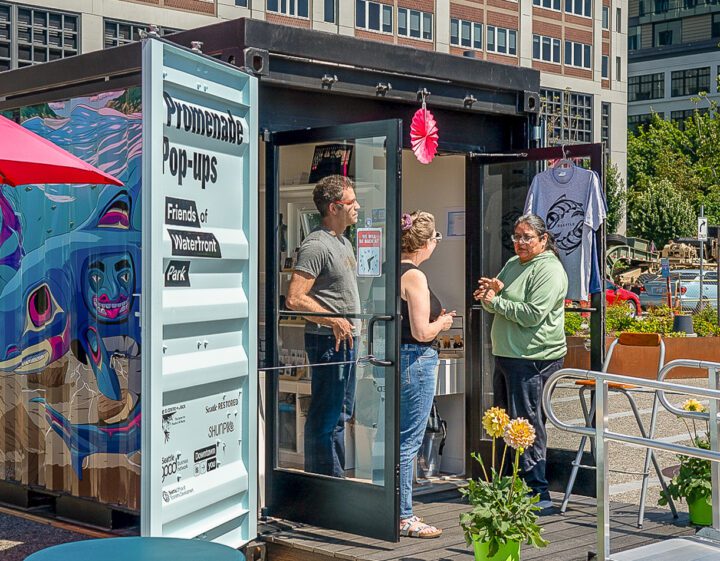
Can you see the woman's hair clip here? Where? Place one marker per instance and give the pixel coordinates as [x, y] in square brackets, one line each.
[406, 222]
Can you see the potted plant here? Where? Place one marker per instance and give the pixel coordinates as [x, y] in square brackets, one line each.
[504, 512]
[692, 481]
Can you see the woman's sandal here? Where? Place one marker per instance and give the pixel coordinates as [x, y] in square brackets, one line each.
[415, 528]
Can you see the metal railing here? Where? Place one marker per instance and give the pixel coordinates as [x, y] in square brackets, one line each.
[601, 435]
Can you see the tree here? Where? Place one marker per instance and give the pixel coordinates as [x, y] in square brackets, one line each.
[659, 212]
[616, 197]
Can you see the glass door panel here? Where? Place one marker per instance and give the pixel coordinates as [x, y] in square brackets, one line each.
[332, 407]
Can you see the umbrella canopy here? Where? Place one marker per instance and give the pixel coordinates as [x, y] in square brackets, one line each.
[26, 158]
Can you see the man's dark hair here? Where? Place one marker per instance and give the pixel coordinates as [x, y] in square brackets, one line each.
[328, 190]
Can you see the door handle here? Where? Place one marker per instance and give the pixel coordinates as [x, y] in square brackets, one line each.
[371, 328]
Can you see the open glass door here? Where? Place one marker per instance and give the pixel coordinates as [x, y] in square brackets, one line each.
[497, 188]
[305, 421]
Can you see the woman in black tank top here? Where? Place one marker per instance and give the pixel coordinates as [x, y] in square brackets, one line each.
[423, 317]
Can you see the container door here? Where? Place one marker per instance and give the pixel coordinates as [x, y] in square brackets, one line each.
[332, 454]
[199, 257]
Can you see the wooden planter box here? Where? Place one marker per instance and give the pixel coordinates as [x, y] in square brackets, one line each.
[641, 362]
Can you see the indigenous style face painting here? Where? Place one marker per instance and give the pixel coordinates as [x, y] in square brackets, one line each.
[69, 283]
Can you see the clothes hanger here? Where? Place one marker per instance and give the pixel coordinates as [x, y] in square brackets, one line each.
[564, 161]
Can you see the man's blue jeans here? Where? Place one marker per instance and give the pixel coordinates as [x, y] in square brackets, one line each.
[418, 365]
[331, 404]
[517, 387]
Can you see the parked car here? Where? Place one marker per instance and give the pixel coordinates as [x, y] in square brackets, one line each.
[684, 289]
[614, 294]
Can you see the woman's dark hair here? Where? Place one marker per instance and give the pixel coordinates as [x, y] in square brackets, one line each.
[539, 227]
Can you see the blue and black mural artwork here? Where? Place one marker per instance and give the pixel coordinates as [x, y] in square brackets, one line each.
[69, 304]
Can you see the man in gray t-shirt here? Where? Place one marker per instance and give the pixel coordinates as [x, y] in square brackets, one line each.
[324, 281]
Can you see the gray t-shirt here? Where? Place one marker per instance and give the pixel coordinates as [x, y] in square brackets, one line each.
[571, 203]
[331, 260]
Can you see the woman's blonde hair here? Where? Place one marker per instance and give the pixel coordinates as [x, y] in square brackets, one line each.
[417, 228]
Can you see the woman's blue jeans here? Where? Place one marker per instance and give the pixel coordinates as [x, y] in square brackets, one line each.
[517, 387]
[418, 364]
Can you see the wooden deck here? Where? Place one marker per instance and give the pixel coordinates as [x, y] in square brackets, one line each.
[572, 536]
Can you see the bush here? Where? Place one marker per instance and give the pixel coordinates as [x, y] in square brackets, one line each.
[705, 323]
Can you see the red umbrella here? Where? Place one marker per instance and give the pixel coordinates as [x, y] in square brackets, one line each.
[26, 158]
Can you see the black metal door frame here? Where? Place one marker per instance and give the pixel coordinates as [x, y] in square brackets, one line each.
[475, 192]
[355, 507]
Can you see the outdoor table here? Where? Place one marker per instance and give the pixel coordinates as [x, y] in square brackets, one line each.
[138, 549]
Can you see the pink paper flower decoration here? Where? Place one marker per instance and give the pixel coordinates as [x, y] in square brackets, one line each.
[424, 135]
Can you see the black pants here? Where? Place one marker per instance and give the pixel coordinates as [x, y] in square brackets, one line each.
[517, 387]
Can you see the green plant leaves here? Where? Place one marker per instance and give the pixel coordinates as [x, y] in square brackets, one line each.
[498, 516]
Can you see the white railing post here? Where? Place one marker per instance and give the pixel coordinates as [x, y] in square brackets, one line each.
[713, 374]
[602, 471]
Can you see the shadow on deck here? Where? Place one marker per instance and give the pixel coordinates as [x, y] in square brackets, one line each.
[572, 536]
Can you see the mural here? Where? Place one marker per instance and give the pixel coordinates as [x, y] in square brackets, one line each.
[69, 309]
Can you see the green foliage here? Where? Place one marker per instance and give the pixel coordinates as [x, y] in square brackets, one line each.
[688, 159]
[693, 480]
[575, 324]
[660, 212]
[503, 510]
[705, 322]
[616, 197]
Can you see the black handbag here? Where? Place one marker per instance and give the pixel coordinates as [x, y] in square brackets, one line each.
[436, 424]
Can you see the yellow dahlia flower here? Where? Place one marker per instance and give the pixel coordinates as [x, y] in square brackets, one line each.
[693, 405]
[494, 421]
[519, 434]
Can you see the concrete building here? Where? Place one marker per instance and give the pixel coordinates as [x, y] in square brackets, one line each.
[580, 46]
[673, 55]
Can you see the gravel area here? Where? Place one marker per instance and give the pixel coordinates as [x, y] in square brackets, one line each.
[19, 536]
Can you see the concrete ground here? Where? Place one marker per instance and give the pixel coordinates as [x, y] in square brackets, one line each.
[625, 487]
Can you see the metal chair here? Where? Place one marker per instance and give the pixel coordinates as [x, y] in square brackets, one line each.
[628, 340]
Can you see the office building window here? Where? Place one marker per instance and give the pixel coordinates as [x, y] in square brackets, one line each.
[465, 33]
[330, 11]
[647, 86]
[546, 49]
[549, 4]
[118, 33]
[642, 120]
[38, 35]
[618, 68]
[716, 25]
[293, 8]
[634, 38]
[605, 124]
[567, 116]
[501, 40]
[667, 33]
[661, 6]
[373, 16]
[242, 3]
[605, 67]
[618, 20]
[605, 17]
[415, 24]
[690, 82]
[578, 54]
[579, 7]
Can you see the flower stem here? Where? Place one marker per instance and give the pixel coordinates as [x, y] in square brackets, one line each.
[502, 462]
[482, 464]
[493, 455]
[514, 475]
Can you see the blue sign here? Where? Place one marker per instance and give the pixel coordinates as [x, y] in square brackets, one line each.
[665, 268]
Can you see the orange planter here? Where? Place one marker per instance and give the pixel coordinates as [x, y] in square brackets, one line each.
[641, 362]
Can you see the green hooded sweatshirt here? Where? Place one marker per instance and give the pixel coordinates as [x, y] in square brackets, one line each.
[530, 310]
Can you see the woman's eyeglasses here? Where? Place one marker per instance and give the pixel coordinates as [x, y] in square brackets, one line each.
[437, 237]
[523, 239]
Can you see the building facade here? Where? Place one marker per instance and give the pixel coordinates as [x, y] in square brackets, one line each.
[580, 46]
[673, 55]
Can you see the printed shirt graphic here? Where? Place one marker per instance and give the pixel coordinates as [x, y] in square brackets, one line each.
[571, 202]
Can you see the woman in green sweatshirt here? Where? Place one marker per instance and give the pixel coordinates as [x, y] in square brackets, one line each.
[528, 335]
